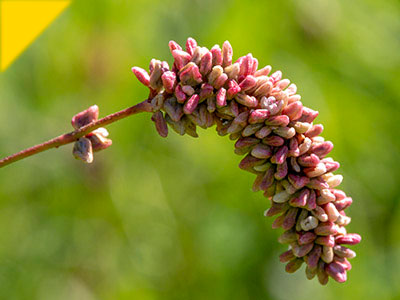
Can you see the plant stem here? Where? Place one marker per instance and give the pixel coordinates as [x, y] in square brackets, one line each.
[73, 136]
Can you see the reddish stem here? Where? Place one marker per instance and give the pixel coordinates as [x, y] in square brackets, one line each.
[71, 137]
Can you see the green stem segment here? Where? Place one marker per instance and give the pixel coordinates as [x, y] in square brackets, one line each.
[73, 136]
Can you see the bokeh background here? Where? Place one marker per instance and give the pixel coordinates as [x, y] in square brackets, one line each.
[175, 218]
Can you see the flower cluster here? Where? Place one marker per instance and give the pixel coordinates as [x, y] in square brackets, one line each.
[95, 141]
[283, 148]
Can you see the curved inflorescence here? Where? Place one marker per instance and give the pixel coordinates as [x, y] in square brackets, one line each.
[283, 147]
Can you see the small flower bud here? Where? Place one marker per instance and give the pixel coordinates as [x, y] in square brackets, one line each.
[321, 150]
[161, 124]
[227, 53]
[85, 117]
[294, 265]
[169, 81]
[191, 104]
[281, 197]
[336, 271]
[141, 75]
[327, 254]
[246, 100]
[308, 115]
[314, 131]
[328, 240]
[345, 252]
[191, 45]
[326, 228]
[281, 120]
[261, 151]
[348, 239]
[293, 111]
[216, 55]
[83, 150]
[248, 83]
[286, 256]
[181, 58]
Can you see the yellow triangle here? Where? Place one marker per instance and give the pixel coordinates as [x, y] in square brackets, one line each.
[22, 22]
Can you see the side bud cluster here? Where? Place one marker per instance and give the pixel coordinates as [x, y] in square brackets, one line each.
[263, 113]
[95, 141]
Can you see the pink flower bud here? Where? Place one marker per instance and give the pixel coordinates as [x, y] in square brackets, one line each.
[190, 74]
[250, 161]
[258, 116]
[281, 171]
[191, 104]
[174, 46]
[227, 53]
[191, 45]
[246, 100]
[281, 120]
[318, 184]
[263, 132]
[246, 142]
[233, 89]
[277, 208]
[267, 180]
[336, 271]
[320, 213]
[298, 181]
[314, 257]
[261, 151]
[305, 146]
[280, 155]
[308, 161]
[206, 91]
[348, 239]
[263, 72]
[302, 250]
[331, 211]
[321, 150]
[326, 228]
[331, 166]
[141, 75]
[85, 117]
[286, 256]
[328, 240]
[220, 81]
[290, 218]
[169, 81]
[308, 115]
[343, 204]
[314, 131]
[216, 55]
[306, 237]
[206, 63]
[311, 201]
[285, 132]
[293, 111]
[181, 58]
[180, 95]
[263, 89]
[273, 140]
[316, 171]
[276, 76]
[248, 83]
[344, 252]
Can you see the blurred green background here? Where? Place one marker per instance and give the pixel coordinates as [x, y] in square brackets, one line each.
[175, 218]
